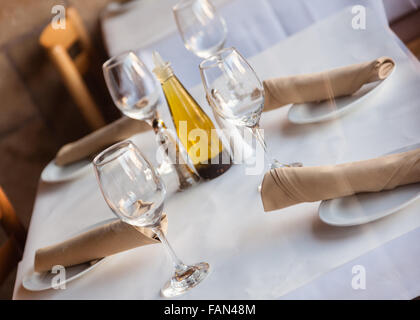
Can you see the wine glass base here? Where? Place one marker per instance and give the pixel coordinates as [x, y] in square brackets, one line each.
[179, 284]
[277, 164]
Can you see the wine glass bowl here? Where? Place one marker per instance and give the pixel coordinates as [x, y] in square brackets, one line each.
[235, 92]
[135, 193]
[132, 86]
[130, 185]
[202, 29]
[232, 88]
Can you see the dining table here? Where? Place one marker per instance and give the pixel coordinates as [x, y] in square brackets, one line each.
[283, 254]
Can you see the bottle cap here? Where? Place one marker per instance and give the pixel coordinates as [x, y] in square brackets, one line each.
[162, 69]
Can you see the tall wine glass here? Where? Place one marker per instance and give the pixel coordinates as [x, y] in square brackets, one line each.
[235, 92]
[135, 92]
[135, 193]
[201, 28]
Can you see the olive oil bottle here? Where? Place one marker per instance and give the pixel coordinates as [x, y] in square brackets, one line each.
[195, 130]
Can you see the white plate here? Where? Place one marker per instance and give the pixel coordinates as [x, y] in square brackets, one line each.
[55, 173]
[36, 281]
[366, 207]
[313, 112]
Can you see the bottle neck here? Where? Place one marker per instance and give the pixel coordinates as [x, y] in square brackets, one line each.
[163, 73]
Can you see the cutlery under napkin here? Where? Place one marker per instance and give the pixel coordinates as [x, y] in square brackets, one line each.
[324, 85]
[96, 141]
[283, 187]
[102, 241]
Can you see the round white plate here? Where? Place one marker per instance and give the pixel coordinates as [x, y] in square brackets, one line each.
[313, 112]
[366, 207]
[36, 281]
[55, 173]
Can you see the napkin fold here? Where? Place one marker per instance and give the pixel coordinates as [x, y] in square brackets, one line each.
[324, 85]
[96, 141]
[102, 241]
[283, 187]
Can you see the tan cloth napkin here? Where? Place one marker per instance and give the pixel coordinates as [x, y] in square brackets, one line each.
[96, 141]
[102, 241]
[284, 187]
[324, 85]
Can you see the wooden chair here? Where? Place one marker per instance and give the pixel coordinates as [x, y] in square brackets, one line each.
[70, 50]
[11, 251]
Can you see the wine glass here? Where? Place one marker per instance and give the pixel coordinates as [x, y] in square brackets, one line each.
[235, 92]
[135, 92]
[201, 28]
[135, 193]
[132, 86]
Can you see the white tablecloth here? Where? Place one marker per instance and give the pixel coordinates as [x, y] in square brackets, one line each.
[253, 26]
[286, 253]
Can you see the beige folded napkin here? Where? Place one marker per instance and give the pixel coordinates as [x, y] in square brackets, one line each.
[324, 85]
[96, 141]
[102, 241]
[284, 187]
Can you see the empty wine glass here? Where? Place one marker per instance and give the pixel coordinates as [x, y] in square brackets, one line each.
[132, 86]
[201, 28]
[235, 92]
[135, 193]
[135, 92]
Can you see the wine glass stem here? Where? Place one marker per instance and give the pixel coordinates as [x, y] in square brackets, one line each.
[260, 138]
[179, 266]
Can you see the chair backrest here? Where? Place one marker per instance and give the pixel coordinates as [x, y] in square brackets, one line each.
[11, 251]
[74, 39]
[70, 50]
